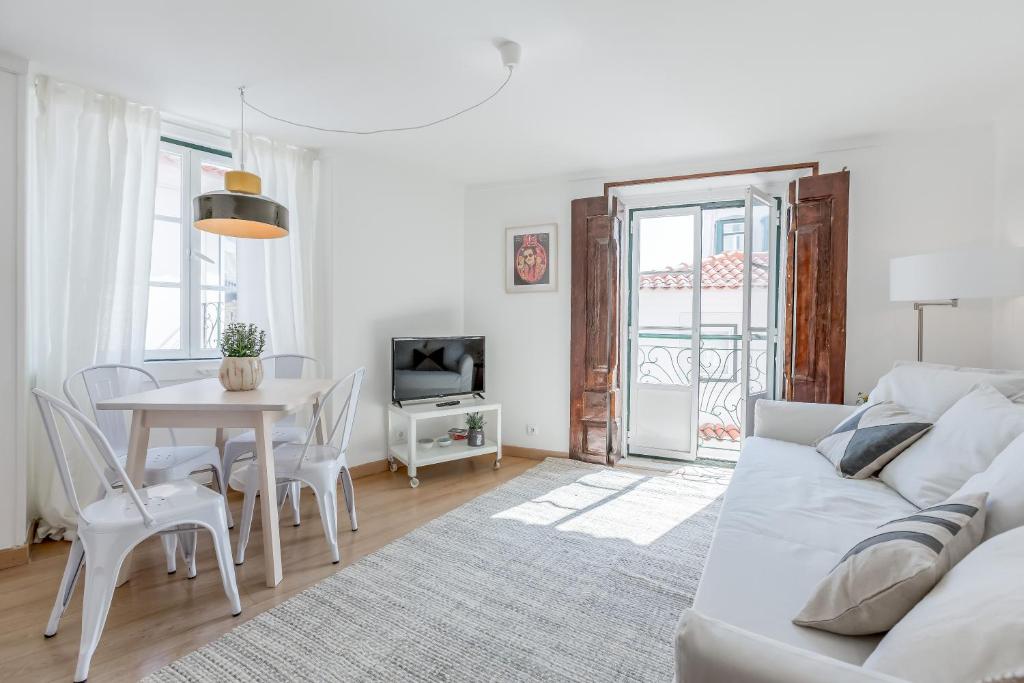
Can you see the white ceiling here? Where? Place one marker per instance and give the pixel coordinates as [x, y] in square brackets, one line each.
[602, 84]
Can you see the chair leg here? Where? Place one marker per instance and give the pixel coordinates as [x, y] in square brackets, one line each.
[296, 492]
[72, 570]
[222, 547]
[170, 542]
[100, 580]
[188, 544]
[222, 488]
[225, 467]
[248, 507]
[328, 503]
[350, 496]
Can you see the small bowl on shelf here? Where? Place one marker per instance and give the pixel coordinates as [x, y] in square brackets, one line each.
[444, 441]
[424, 443]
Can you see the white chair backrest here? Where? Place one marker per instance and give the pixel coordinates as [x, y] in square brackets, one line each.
[107, 381]
[341, 431]
[291, 365]
[99, 456]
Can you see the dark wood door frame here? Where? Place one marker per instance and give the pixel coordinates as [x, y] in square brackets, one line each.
[805, 165]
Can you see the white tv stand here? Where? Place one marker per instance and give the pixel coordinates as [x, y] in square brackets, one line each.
[412, 457]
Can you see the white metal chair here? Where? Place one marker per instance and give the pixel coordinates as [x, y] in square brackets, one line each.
[318, 466]
[283, 366]
[109, 528]
[163, 463]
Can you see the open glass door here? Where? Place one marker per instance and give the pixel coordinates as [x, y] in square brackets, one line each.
[664, 324]
[760, 241]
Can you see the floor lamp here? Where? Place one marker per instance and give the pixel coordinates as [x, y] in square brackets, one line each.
[944, 278]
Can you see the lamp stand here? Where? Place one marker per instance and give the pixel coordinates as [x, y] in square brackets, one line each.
[919, 306]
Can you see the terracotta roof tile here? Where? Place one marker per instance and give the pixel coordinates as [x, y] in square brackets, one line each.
[720, 271]
[719, 432]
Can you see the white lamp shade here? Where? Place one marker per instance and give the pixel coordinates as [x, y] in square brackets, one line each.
[971, 273]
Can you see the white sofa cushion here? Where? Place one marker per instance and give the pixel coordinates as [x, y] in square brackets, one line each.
[970, 627]
[883, 576]
[1004, 481]
[869, 439]
[711, 650]
[795, 422]
[929, 389]
[964, 441]
[786, 520]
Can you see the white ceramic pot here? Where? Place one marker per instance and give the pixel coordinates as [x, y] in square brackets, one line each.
[241, 374]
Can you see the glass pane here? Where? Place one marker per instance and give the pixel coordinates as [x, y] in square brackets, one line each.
[211, 176]
[168, 185]
[217, 309]
[163, 322]
[229, 263]
[209, 263]
[166, 262]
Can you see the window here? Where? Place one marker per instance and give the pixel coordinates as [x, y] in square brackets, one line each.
[193, 284]
[729, 234]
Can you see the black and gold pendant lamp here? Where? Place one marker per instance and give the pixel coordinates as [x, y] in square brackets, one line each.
[239, 210]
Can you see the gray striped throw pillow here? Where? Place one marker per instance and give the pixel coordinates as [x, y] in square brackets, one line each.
[870, 438]
[881, 578]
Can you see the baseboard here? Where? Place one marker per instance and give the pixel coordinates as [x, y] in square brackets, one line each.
[531, 453]
[19, 554]
[368, 468]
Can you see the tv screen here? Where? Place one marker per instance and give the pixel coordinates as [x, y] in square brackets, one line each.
[432, 367]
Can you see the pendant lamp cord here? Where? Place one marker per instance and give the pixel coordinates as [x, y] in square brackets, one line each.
[375, 131]
[241, 106]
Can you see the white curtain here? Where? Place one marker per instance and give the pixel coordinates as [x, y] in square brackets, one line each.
[90, 233]
[291, 176]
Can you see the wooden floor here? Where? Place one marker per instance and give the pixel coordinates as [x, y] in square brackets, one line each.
[156, 617]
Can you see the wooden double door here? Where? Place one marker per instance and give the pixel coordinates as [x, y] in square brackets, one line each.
[813, 315]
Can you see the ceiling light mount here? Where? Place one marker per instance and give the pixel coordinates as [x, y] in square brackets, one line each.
[511, 53]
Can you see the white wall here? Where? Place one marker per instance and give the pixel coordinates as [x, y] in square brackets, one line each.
[1008, 314]
[910, 193]
[12, 418]
[397, 270]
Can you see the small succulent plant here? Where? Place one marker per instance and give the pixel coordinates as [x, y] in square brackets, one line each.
[475, 421]
[242, 340]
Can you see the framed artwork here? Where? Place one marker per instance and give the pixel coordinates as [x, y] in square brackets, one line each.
[531, 258]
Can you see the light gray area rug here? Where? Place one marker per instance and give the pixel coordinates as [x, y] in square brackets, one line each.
[569, 572]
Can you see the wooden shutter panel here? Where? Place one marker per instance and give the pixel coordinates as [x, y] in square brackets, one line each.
[814, 361]
[594, 373]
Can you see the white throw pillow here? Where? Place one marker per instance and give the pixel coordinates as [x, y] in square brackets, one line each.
[883, 576]
[930, 390]
[963, 442]
[1004, 481]
[969, 628]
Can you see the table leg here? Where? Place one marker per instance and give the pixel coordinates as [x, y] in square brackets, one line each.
[411, 465]
[497, 436]
[264, 428]
[135, 467]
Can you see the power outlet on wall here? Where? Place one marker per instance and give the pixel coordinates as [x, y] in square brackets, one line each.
[531, 430]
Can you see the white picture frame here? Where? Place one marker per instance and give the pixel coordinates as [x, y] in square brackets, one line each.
[531, 258]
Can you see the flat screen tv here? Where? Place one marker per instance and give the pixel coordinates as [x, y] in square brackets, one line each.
[435, 367]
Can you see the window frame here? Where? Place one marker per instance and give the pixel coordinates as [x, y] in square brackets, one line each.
[190, 283]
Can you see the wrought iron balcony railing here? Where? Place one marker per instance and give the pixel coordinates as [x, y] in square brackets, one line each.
[666, 357]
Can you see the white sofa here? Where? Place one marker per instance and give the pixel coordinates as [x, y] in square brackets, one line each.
[786, 521]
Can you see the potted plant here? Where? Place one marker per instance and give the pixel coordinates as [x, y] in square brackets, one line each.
[241, 369]
[475, 423]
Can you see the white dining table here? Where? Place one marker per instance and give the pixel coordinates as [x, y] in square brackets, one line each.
[206, 404]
